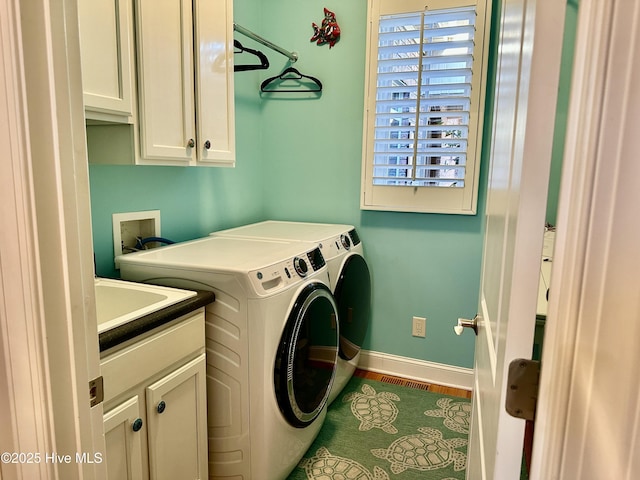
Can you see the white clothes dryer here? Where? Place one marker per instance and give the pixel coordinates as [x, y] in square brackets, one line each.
[349, 278]
[267, 392]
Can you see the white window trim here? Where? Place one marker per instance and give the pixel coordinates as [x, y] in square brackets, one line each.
[425, 199]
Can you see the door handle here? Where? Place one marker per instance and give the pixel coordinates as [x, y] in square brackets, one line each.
[466, 323]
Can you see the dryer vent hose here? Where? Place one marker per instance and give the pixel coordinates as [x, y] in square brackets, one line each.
[141, 242]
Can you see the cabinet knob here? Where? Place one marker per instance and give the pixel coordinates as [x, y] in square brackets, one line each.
[161, 406]
[191, 143]
[207, 144]
[137, 424]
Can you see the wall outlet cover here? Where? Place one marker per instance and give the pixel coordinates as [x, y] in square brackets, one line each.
[419, 327]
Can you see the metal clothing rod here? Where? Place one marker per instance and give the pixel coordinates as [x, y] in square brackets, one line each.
[293, 56]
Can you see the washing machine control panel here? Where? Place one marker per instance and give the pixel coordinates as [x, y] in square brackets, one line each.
[316, 259]
[339, 244]
[270, 279]
[355, 238]
[300, 265]
[345, 241]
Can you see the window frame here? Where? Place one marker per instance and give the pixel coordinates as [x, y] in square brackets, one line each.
[419, 198]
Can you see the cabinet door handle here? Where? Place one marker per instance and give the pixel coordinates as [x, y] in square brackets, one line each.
[137, 424]
[191, 143]
[207, 144]
[161, 406]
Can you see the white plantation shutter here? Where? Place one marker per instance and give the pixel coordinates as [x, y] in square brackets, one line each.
[422, 129]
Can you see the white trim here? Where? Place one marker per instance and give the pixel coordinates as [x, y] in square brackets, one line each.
[462, 201]
[430, 372]
[480, 434]
[61, 234]
[25, 425]
[593, 247]
[491, 346]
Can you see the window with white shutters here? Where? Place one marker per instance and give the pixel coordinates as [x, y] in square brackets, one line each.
[423, 105]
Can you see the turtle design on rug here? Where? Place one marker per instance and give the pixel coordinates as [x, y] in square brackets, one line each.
[374, 410]
[456, 415]
[324, 466]
[427, 450]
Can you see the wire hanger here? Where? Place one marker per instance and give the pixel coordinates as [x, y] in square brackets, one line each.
[264, 61]
[289, 75]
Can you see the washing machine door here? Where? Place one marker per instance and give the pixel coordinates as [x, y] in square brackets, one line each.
[307, 355]
[353, 296]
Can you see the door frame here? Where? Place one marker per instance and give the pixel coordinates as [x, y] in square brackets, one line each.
[595, 33]
[602, 108]
[48, 328]
[24, 425]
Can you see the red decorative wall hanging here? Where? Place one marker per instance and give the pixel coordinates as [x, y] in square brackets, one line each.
[328, 31]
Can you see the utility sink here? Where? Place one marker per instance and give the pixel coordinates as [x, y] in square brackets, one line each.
[119, 301]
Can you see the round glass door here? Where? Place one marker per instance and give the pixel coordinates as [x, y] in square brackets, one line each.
[353, 297]
[306, 359]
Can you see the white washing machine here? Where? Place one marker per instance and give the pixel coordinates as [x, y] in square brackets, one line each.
[349, 277]
[267, 391]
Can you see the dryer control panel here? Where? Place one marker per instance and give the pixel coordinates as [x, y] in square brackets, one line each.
[339, 244]
[271, 279]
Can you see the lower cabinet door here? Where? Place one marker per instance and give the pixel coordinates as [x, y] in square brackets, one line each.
[177, 424]
[124, 430]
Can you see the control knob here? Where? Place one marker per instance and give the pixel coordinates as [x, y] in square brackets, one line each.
[301, 266]
[346, 242]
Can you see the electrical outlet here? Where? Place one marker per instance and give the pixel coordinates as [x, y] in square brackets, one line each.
[419, 327]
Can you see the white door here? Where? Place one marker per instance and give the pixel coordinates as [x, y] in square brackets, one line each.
[177, 423]
[123, 438]
[49, 340]
[213, 34]
[588, 421]
[524, 112]
[164, 33]
[105, 30]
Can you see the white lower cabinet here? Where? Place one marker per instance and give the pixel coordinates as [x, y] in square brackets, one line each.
[155, 402]
[177, 423]
[124, 440]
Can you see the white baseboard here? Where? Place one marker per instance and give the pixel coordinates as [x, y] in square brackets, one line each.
[421, 370]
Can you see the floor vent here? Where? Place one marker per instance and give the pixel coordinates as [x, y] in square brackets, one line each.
[404, 382]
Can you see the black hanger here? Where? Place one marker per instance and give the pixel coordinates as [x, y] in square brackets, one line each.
[292, 74]
[264, 61]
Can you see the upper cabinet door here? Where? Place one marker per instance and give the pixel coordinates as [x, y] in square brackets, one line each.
[185, 79]
[165, 81]
[213, 23]
[107, 62]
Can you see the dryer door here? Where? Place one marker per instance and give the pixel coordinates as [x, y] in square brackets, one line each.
[307, 356]
[353, 297]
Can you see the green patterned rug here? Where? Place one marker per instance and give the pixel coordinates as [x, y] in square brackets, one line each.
[380, 431]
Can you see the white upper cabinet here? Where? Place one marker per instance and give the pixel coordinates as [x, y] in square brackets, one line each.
[185, 82]
[107, 60]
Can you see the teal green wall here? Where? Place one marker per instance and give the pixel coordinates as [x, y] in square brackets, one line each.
[422, 264]
[299, 159]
